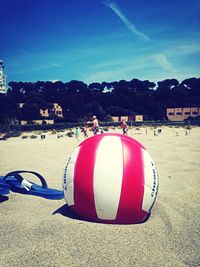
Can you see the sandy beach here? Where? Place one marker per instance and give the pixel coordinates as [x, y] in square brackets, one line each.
[35, 231]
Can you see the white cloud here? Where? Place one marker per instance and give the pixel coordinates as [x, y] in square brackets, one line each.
[36, 68]
[151, 66]
[101, 76]
[125, 20]
[115, 70]
[164, 63]
[184, 49]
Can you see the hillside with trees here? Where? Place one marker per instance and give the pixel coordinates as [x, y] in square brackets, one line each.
[79, 100]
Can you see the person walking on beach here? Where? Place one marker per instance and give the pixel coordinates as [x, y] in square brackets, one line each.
[124, 127]
[95, 125]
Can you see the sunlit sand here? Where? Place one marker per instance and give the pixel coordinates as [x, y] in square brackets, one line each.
[34, 232]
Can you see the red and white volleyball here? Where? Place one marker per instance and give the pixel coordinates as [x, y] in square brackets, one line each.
[111, 178]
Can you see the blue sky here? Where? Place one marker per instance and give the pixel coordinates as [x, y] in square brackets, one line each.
[95, 41]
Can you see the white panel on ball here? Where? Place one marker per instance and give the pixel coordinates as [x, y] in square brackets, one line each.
[108, 174]
[69, 178]
[150, 182]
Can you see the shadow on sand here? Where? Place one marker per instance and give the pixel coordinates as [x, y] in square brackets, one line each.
[67, 212]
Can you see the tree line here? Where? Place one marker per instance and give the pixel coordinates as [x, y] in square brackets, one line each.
[80, 100]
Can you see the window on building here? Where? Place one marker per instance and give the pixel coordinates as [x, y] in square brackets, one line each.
[187, 113]
[194, 113]
[179, 113]
[171, 113]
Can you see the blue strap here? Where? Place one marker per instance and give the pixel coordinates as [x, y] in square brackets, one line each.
[16, 183]
[19, 178]
[4, 190]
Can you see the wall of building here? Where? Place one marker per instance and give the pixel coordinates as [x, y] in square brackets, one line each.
[137, 118]
[53, 109]
[180, 114]
[57, 110]
[44, 112]
[115, 118]
[38, 122]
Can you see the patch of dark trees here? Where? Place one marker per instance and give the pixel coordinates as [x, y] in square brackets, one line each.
[80, 101]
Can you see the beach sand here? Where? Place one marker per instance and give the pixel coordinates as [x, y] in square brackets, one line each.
[35, 232]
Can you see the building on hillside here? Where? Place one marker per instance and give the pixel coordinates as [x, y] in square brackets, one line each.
[53, 110]
[124, 118]
[116, 118]
[180, 114]
[136, 118]
[56, 109]
[37, 122]
[44, 112]
[47, 115]
[3, 88]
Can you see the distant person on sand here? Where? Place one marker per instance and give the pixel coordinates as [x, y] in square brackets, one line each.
[77, 133]
[124, 127]
[95, 125]
[84, 131]
[159, 131]
[43, 136]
